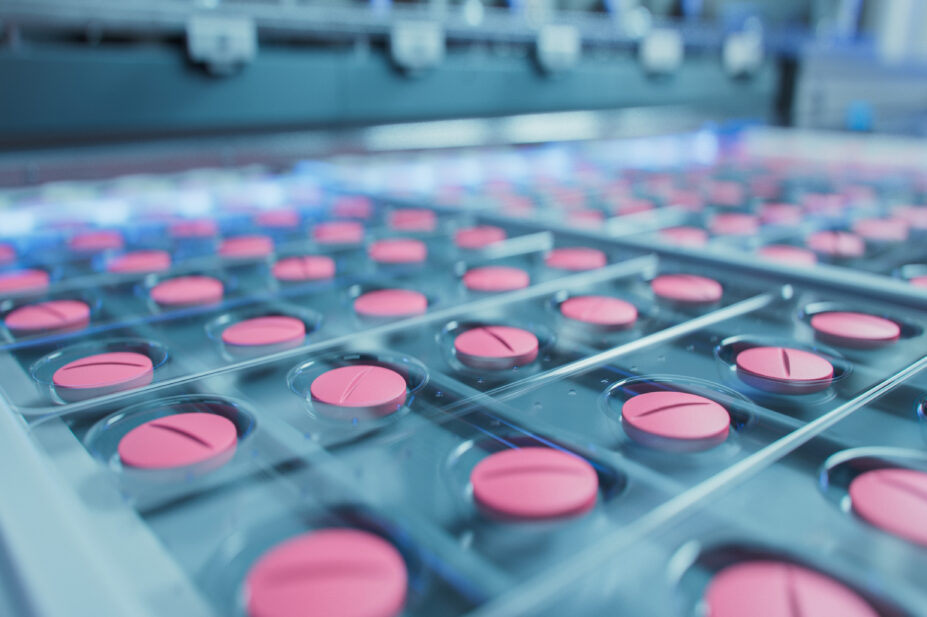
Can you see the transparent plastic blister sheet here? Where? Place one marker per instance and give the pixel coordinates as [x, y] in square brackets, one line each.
[280, 438]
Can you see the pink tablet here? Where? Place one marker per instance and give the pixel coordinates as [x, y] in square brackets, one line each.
[784, 370]
[398, 251]
[246, 247]
[328, 573]
[765, 187]
[179, 440]
[633, 205]
[413, 219]
[7, 253]
[516, 205]
[894, 500]
[788, 254]
[496, 278]
[567, 197]
[352, 207]
[839, 244]
[675, 421]
[391, 303]
[478, 237]
[188, 291]
[496, 347]
[687, 288]
[280, 219]
[338, 232]
[23, 282]
[101, 374]
[96, 241]
[735, 224]
[358, 390]
[684, 236]
[780, 589]
[576, 259]
[882, 230]
[56, 315]
[190, 229]
[585, 218]
[534, 483]
[781, 214]
[918, 281]
[138, 262]
[686, 200]
[727, 194]
[602, 312]
[915, 216]
[270, 330]
[304, 268]
[826, 204]
[855, 329]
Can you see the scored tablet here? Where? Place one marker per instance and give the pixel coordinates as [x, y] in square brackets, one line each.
[534, 483]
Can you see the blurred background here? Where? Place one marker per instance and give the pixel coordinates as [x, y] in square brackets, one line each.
[97, 71]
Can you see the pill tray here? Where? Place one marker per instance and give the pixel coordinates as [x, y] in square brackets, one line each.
[669, 513]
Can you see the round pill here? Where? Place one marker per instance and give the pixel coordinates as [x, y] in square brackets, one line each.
[726, 193]
[675, 421]
[788, 254]
[576, 259]
[837, 244]
[781, 214]
[95, 241]
[478, 237]
[600, 311]
[894, 500]
[496, 347]
[784, 370]
[780, 589]
[51, 315]
[338, 232]
[194, 228]
[765, 187]
[687, 288]
[328, 573]
[516, 205]
[398, 251]
[827, 204]
[685, 236]
[685, 200]
[882, 230]
[304, 268]
[352, 207]
[269, 330]
[391, 303]
[101, 374]
[585, 218]
[567, 197]
[246, 247]
[534, 483]
[413, 219]
[855, 329]
[140, 262]
[281, 218]
[23, 282]
[7, 253]
[919, 281]
[496, 278]
[632, 205]
[358, 390]
[188, 291]
[735, 224]
[178, 440]
[915, 216]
